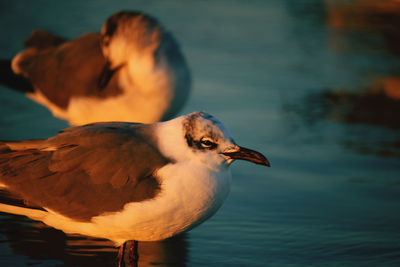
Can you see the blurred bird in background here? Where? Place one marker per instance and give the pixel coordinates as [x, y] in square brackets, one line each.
[133, 71]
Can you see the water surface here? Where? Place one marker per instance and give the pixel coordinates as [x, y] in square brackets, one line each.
[314, 85]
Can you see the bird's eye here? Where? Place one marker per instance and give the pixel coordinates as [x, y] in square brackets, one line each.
[207, 143]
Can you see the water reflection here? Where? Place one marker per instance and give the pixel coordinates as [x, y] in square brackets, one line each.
[373, 16]
[372, 108]
[366, 34]
[369, 107]
[41, 243]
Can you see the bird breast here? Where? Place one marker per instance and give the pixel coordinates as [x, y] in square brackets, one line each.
[190, 194]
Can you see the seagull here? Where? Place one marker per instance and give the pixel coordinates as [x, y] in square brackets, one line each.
[126, 182]
[133, 71]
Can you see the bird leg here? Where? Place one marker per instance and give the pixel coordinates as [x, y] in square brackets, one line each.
[121, 255]
[133, 253]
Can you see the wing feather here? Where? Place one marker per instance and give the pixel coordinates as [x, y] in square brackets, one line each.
[63, 70]
[85, 171]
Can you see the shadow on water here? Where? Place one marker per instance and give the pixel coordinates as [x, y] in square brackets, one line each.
[370, 111]
[41, 243]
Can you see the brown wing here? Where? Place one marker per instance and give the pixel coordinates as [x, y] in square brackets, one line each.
[85, 171]
[71, 69]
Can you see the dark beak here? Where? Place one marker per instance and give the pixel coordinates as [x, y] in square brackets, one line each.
[106, 75]
[248, 154]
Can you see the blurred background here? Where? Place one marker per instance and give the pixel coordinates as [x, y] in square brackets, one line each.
[312, 84]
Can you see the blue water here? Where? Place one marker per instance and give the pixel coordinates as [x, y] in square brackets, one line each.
[295, 80]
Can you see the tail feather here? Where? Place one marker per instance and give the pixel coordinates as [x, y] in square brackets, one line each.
[12, 202]
[21, 145]
[34, 214]
[9, 79]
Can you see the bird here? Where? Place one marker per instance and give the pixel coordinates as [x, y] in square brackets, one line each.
[134, 70]
[126, 182]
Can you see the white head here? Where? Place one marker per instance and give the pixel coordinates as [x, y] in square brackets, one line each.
[200, 137]
[129, 32]
[129, 38]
